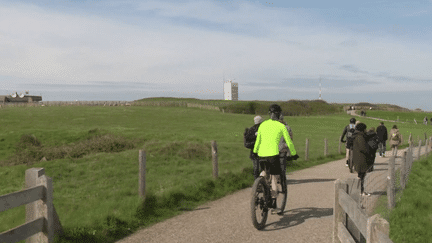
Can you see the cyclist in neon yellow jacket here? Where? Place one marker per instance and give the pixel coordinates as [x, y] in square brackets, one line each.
[267, 141]
[267, 146]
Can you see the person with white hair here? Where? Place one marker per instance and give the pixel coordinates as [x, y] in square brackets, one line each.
[249, 140]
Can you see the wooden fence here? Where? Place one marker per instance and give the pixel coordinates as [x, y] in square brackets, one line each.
[42, 221]
[351, 223]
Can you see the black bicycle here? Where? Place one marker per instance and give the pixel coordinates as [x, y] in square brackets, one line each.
[261, 196]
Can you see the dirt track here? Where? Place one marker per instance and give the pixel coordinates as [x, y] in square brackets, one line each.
[308, 215]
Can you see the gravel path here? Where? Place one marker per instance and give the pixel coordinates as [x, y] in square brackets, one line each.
[308, 216]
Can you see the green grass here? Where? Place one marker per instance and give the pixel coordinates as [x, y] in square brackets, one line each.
[411, 219]
[403, 116]
[418, 131]
[96, 194]
[290, 108]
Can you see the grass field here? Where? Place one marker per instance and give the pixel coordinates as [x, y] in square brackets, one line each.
[403, 116]
[96, 193]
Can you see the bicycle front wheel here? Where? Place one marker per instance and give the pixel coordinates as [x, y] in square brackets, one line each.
[259, 208]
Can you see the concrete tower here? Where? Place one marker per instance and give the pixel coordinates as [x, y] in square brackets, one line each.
[230, 90]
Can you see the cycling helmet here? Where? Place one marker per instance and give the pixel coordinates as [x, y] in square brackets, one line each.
[275, 109]
[352, 120]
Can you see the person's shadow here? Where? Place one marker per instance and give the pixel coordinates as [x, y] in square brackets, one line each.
[297, 216]
[301, 181]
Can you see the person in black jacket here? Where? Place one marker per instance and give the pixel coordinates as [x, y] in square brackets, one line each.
[253, 156]
[382, 138]
[372, 140]
[361, 154]
[348, 142]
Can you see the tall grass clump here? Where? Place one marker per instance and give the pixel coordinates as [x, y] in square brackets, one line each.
[30, 149]
[289, 108]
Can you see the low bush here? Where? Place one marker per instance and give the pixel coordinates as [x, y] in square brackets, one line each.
[30, 150]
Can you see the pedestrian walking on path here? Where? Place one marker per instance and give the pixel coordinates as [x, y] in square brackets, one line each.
[372, 141]
[348, 131]
[361, 154]
[249, 136]
[382, 136]
[395, 139]
[284, 152]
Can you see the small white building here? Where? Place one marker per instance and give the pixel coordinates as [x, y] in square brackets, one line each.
[230, 90]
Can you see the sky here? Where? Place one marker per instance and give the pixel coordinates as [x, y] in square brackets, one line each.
[362, 51]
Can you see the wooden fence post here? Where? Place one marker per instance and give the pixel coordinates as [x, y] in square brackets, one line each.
[325, 147]
[391, 183]
[307, 150]
[214, 159]
[340, 144]
[419, 149]
[142, 174]
[403, 169]
[338, 212]
[40, 208]
[377, 226]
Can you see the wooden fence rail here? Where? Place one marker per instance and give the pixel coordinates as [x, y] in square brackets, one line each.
[351, 223]
[42, 221]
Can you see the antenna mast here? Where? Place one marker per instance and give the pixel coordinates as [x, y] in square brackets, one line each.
[320, 89]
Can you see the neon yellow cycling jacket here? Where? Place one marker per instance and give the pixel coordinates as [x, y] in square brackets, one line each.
[268, 138]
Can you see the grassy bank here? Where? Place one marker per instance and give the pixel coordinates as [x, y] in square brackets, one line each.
[257, 107]
[403, 116]
[96, 193]
[411, 219]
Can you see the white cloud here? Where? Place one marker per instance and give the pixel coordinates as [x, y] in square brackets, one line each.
[37, 43]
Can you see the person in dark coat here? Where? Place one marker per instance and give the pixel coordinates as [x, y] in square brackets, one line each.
[382, 138]
[361, 154]
[371, 139]
[253, 156]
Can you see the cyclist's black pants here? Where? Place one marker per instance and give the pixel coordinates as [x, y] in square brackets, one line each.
[271, 164]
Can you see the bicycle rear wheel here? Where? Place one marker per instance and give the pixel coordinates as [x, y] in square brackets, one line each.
[351, 164]
[259, 208]
[282, 195]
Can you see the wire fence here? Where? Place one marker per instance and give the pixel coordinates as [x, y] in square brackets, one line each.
[389, 178]
[112, 103]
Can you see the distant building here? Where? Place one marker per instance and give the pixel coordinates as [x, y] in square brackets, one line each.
[19, 98]
[230, 90]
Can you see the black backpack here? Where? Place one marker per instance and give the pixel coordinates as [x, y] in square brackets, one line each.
[249, 137]
[373, 143]
[350, 133]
